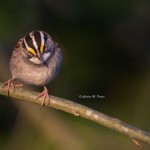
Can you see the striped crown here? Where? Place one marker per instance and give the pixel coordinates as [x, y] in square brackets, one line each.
[35, 42]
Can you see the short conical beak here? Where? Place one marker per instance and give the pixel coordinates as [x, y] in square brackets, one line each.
[41, 58]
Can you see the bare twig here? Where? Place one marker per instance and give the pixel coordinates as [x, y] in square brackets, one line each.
[80, 110]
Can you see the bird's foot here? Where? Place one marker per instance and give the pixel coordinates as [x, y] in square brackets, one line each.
[18, 85]
[44, 94]
[10, 84]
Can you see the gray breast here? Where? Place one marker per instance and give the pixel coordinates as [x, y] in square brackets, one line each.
[33, 74]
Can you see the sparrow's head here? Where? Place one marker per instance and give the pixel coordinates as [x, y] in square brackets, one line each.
[38, 46]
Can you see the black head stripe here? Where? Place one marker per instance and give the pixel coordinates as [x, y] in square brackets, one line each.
[37, 37]
[29, 42]
[45, 37]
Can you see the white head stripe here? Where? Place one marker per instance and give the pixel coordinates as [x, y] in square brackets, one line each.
[34, 42]
[27, 47]
[42, 37]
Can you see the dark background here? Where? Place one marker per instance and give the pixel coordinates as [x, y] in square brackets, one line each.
[106, 49]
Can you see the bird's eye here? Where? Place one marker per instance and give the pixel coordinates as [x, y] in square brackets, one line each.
[46, 52]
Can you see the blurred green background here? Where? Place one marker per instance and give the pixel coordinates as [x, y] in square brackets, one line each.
[106, 48]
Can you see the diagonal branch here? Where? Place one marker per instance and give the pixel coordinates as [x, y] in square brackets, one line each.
[80, 110]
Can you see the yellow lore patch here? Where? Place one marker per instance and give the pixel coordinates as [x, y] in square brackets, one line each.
[32, 51]
[42, 47]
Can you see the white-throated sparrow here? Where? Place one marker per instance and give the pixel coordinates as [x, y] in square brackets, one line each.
[35, 60]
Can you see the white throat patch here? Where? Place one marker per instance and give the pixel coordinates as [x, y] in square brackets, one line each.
[35, 60]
